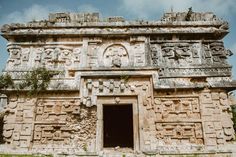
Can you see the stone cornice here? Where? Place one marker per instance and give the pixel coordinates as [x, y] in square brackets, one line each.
[86, 24]
[216, 32]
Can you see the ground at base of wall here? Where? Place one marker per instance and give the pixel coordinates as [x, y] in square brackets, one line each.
[226, 151]
[222, 154]
[24, 155]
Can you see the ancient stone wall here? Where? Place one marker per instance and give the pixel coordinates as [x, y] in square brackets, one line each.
[48, 123]
[173, 72]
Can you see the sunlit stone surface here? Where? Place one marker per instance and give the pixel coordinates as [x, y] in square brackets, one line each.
[174, 73]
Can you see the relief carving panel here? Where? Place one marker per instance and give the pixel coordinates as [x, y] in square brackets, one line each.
[18, 120]
[64, 122]
[49, 56]
[115, 56]
[175, 54]
[92, 55]
[139, 54]
[216, 117]
[119, 85]
[180, 54]
[14, 59]
[179, 133]
[215, 53]
[177, 109]
[173, 121]
[58, 57]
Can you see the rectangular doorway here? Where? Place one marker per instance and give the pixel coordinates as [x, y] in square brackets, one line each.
[118, 126]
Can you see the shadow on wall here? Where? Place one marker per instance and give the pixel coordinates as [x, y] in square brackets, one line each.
[1, 127]
[3, 102]
[234, 115]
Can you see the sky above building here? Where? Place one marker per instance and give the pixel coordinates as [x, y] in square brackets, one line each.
[20, 11]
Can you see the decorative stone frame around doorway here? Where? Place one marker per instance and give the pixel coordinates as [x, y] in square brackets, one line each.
[116, 100]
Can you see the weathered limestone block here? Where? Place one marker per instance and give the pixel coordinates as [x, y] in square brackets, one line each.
[73, 17]
[177, 109]
[115, 86]
[181, 16]
[25, 55]
[216, 117]
[176, 54]
[19, 121]
[63, 121]
[116, 56]
[7, 131]
[52, 57]
[38, 55]
[206, 98]
[178, 120]
[179, 133]
[139, 54]
[15, 57]
[215, 53]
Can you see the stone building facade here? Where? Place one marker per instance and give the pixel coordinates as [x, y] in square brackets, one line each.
[167, 81]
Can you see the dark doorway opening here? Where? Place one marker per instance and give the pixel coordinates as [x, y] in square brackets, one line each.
[118, 126]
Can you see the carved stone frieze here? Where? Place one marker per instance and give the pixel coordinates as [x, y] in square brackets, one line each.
[121, 85]
[15, 57]
[51, 110]
[179, 133]
[18, 121]
[196, 71]
[216, 118]
[92, 55]
[173, 121]
[139, 54]
[215, 53]
[175, 54]
[61, 57]
[177, 109]
[38, 56]
[52, 57]
[116, 56]
[63, 121]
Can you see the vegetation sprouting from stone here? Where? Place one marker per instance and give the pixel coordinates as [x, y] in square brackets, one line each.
[6, 81]
[37, 80]
[125, 77]
[234, 116]
[188, 16]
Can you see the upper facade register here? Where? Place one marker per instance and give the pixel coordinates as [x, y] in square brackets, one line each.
[180, 44]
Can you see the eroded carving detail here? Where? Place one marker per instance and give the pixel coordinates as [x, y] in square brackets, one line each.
[139, 54]
[19, 122]
[216, 118]
[92, 55]
[64, 122]
[175, 54]
[215, 53]
[177, 109]
[15, 56]
[116, 56]
[192, 16]
[179, 133]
